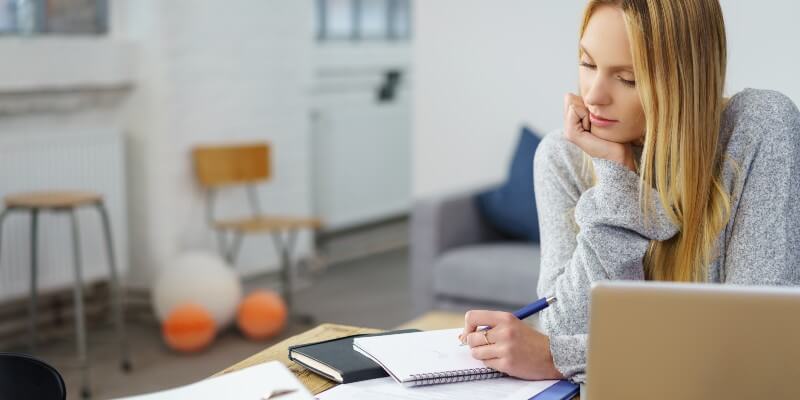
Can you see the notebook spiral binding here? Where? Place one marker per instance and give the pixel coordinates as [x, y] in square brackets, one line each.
[464, 375]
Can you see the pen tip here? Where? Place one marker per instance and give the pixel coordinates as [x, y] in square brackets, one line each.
[551, 300]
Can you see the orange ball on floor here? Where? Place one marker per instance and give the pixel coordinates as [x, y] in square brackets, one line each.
[261, 315]
[189, 328]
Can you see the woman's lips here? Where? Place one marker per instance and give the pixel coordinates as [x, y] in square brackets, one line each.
[601, 122]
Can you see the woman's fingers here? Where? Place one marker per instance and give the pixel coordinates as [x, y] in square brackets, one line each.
[581, 115]
[577, 128]
[587, 123]
[486, 352]
[476, 318]
[572, 99]
[576, 115]
[479, 338]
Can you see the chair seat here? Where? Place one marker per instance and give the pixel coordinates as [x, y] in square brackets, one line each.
[267, 223]
[497, 273]
[25, 377]
[52, 199]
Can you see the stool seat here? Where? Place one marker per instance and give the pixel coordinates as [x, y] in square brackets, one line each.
[268, 223]
[52, 199]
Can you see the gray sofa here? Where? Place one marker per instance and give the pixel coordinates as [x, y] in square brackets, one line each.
[458, 262]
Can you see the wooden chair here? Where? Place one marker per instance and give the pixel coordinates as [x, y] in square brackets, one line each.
[246, 166]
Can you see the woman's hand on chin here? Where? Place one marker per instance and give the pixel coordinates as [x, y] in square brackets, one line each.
[510, 346]
[577, 129]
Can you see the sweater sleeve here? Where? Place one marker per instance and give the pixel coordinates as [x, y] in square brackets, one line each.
[763, 244]
[606, 241]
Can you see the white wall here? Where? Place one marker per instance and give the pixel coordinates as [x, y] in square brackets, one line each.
[762, 45]
[482, 68]
[60, 122]
[361, 147]
[213, 72]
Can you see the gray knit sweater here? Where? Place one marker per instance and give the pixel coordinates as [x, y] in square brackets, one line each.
[760, 244]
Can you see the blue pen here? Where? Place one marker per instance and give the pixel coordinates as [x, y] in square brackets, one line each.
[528, 310]
[534, 307]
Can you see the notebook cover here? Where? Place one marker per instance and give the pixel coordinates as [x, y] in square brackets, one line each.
[339, 355]
[562, 390]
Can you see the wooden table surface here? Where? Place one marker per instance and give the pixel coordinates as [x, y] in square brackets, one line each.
[317, 384]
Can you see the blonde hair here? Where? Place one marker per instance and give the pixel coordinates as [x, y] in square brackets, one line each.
[679, 56]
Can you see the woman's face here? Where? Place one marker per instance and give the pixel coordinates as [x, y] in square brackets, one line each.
[606, 78]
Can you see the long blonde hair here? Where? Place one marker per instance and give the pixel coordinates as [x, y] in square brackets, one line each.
[679, 56]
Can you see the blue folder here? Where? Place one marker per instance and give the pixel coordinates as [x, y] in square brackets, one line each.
[562, 390]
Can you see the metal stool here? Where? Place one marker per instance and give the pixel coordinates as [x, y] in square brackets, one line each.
[37, 202]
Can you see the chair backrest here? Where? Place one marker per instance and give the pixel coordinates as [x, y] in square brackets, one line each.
[25, 377]
[232, 164]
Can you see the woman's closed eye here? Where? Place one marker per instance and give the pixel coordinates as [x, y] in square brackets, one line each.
[625, 82]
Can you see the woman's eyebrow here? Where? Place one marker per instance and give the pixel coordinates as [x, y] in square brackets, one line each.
[613, 67]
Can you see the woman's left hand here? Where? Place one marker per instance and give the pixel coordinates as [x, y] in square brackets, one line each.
[510, 346]
[577, 129]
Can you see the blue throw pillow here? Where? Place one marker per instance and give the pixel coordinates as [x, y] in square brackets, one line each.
[511, 207]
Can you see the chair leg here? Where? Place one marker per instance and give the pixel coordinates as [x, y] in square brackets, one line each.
[281, 247]
[284, 247]
[33, 301]
[117, 294]
[80, 318]
[229, 251]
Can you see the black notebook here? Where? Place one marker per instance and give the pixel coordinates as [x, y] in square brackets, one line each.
[336, 360]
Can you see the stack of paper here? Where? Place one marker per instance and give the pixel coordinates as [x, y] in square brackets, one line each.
[253, 383]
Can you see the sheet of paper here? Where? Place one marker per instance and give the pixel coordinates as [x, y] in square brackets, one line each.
[250, 383]
[419, 353]
[388, 389]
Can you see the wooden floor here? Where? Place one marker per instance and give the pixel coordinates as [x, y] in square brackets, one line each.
[336, 297]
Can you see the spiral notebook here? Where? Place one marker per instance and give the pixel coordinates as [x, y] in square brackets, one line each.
[425, 358]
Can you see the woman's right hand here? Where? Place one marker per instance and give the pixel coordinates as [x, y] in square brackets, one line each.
[577, 129]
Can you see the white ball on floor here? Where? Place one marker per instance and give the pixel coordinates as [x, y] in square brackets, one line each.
[202, 278]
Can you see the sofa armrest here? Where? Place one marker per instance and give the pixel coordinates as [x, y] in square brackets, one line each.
[438, 224]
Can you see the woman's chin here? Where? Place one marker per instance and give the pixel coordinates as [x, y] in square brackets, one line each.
[611, 135]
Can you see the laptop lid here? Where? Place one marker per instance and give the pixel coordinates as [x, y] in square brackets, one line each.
[651, 340]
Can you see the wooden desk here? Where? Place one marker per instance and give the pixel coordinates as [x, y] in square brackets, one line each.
[280, 352]
[315, 383]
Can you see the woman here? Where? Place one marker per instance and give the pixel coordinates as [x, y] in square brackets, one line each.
[656, 176]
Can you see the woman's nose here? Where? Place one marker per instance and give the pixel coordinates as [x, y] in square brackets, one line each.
[597, 93]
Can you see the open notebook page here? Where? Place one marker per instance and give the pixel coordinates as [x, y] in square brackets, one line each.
[407, 355]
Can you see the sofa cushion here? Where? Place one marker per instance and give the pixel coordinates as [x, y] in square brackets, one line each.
[511, 207]
[504, 273]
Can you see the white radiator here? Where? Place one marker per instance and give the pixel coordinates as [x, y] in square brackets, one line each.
[91, 161]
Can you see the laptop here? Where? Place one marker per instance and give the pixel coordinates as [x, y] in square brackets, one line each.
[651, 340]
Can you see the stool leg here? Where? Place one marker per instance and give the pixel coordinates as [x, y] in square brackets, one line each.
[80, 320]
[117, 303]
[2, 221]
[33, 301]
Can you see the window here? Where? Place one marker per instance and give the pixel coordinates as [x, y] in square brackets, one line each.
[363, 20]
[28, 17]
